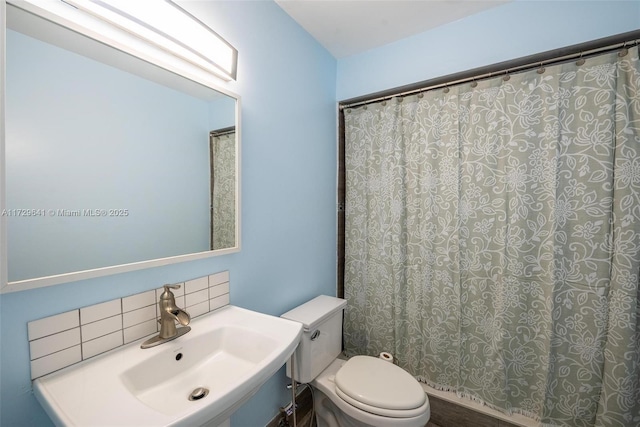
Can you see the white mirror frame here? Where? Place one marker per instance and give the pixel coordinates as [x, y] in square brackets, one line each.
[128, 44]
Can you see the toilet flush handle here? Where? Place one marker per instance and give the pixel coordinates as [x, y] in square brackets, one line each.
[315, 335]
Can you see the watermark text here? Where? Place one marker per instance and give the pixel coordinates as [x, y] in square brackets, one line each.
[60, 212]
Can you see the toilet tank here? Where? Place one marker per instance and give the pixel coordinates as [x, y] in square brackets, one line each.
[321, 340]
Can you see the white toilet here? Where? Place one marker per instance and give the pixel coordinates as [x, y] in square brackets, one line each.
[359, 392]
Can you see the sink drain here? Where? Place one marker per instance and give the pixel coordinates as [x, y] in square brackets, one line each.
[198, 393]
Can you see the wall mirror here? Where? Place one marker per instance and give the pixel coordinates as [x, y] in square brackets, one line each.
[112, 163]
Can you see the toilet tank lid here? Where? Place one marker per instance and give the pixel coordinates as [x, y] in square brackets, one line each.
[312, 313]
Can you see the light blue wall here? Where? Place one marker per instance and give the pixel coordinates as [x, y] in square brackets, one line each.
[513, 30]
[287, 84]
[222, 113]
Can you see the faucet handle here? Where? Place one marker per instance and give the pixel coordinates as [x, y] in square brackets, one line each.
[167, 294]
[167, 287]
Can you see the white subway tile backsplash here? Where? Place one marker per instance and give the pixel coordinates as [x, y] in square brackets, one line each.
[53, 343]
[196, 298]
[140, 330]
[137, 301]
[101, 327]
[59, 341]
[196, 285]
[55, 361]
[138, 316]
[218, 278]
[218, 302]
[100, 311]
[51, 325]
[102, 344]
[199, 309]
[180, 302]
[217, 290]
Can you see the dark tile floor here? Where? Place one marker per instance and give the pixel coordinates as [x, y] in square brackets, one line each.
[443, 414]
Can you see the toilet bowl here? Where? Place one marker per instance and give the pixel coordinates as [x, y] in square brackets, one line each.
[359, 392]
[333, 410]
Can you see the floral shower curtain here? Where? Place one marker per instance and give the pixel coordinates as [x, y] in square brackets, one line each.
[493, 239]
[223, 190]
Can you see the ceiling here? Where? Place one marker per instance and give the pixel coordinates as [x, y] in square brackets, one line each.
[348, 27]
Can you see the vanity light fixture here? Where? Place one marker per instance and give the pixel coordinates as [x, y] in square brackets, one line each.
[169, 27]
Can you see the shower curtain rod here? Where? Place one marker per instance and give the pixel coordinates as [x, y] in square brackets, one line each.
[506, 68]
[222, 132]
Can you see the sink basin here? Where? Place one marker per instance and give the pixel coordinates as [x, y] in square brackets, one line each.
[212, 361]
[198, 379]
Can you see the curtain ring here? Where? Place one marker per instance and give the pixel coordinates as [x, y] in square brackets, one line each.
[580, 62]
[541, 70]
[624, 51]
[400, 99]
[446, 89]
[421, 95]
[364, 107]
[383, 103]
[506, 76]
[474, 83]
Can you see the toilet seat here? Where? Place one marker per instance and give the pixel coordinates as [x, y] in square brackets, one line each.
[380, 388]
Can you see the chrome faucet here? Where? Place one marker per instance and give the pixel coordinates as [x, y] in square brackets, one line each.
[169, 315]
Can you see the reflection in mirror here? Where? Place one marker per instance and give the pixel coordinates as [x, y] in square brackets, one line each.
[104, 167]
[222, 149]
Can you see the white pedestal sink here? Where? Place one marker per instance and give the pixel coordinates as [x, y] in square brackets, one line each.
[220, 364]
